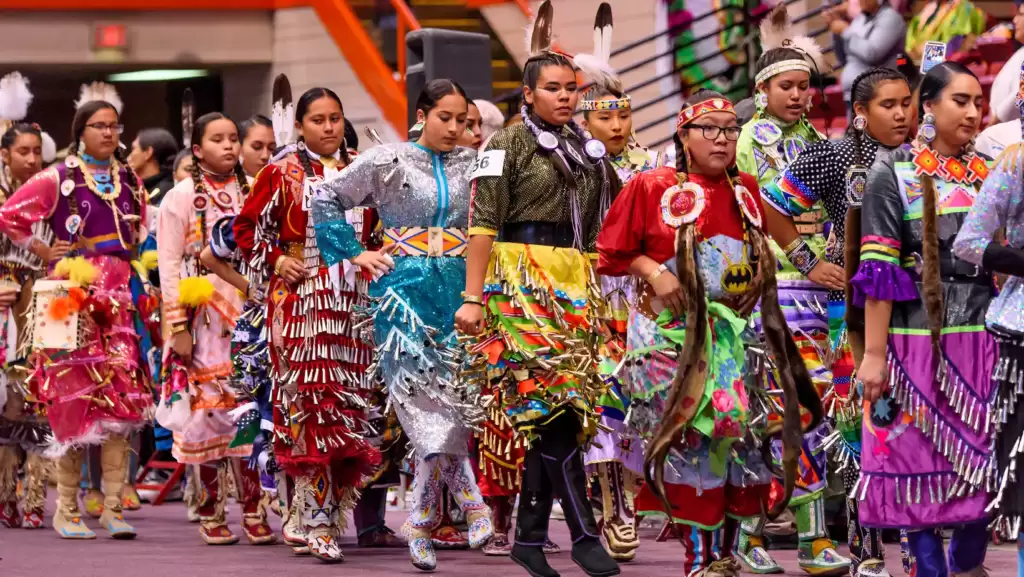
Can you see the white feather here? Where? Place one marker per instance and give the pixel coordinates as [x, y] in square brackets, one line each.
[598, 44]
[808, 46]
[14, 97]
[606, 43]
[598, 71]
[49, 149]
[100, 91]
[283, 119]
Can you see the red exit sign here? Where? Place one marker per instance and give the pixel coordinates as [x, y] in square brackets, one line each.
[110, 36]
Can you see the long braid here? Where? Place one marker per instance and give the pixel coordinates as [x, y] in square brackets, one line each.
[307, 166]
[931, 276]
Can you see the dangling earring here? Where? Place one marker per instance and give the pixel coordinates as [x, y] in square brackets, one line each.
[8, 176]
[761, 101]
[810, 105]
[926, 131]
[418, 127]
[860, 123]
[81, 147]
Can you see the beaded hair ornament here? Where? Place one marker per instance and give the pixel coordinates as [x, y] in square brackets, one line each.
[777, 32]
[695, 111]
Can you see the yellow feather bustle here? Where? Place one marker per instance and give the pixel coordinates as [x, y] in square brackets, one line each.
[76, 269]
[148, 259]
[195, 291]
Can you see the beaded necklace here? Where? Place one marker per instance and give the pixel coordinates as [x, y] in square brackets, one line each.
[75, 222]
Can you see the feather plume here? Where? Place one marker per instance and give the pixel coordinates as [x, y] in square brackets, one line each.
[188, 116]
[282, 111]
[775, 28]
[813, 52]
[99, 91]
[49, 149]
[603, 32]
[598, 71]
[538, 35]
[14, 97]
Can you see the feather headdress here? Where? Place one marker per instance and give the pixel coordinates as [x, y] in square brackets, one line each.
[14, 97]
[539, 37]
[282, 111]
[777, 32]
[99, 91]
[597, 66]
[188, 117]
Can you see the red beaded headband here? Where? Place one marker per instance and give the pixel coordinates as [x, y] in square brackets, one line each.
[695, 111]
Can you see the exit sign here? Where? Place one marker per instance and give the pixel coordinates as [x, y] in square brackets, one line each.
[110, 37]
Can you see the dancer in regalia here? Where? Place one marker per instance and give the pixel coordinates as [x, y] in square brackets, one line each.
[928, 361]
[776, 135]
[541, 188]
[833, 172]
[616, 455]
[22, 429]
[694, 235]
[88, 372]
[994, 211]
[415, 297]
[200, 311]
[318, 362]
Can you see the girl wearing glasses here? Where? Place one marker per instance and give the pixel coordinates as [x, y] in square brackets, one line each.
[693, 236]
[833, 172]
[774, 138]
[93, 382]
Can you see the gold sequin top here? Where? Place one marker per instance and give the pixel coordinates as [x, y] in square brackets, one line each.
[531, 189]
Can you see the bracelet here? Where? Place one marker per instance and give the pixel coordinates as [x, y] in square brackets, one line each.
[178, 328]
[472, 299]
[277, 264]
[657, 272]
[801, 255]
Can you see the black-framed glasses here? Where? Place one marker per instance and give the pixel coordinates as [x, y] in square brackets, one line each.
[711, 131]
[103, 127]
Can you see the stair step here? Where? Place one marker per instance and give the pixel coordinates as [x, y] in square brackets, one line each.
[505, 85]
[451, 23]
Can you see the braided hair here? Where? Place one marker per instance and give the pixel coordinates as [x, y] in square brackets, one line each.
[301, 110]
[862, 91]
[198, 132]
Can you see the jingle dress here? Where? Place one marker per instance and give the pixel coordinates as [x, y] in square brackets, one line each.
[705, 481]
[422, 198]
[820, 175]
[318, 362]
[994, 210]
[926, 456]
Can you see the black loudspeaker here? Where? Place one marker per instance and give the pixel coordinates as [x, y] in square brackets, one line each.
[431, 53]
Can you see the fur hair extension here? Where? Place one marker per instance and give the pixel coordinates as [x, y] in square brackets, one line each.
[931, 276]
[797, 387]
[687, 377]
[100, 91]
[538, 35]
[49, 148]
[15, 97]
[188, 117]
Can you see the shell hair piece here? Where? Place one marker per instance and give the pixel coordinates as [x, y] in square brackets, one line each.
[777, 32]
[100, 91]
[14, 97]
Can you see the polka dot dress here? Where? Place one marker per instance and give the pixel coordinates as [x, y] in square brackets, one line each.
[822, 169]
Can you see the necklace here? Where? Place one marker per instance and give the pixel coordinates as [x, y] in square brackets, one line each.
[90, 159]
[106, 185]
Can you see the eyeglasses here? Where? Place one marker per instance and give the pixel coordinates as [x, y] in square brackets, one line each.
[711, 132]
[103, 127]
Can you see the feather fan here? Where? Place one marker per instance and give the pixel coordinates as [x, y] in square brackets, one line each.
[188, 117]
[14, 97]
[100, 91]
[282, 111]
[538, 35]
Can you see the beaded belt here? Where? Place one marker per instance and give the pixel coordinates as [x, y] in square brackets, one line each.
[426, 241]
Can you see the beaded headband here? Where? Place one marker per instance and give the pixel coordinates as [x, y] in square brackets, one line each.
[609, 104]
[695, 111]
[780, 67]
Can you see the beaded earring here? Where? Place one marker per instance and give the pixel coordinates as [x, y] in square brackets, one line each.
[926, 131]
[760, 101]
[81, 147]
[860, 123]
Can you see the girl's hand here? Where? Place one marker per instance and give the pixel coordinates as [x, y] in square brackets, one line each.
[291, 269]
[667, 287]
[8, 296]
[470, 318]
[376, 262]
[181, 343]
[874, 375]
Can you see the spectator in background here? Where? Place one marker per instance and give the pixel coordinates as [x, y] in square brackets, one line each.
[1003, 100]
[183, 166]
[872, 40]
[472, 136]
